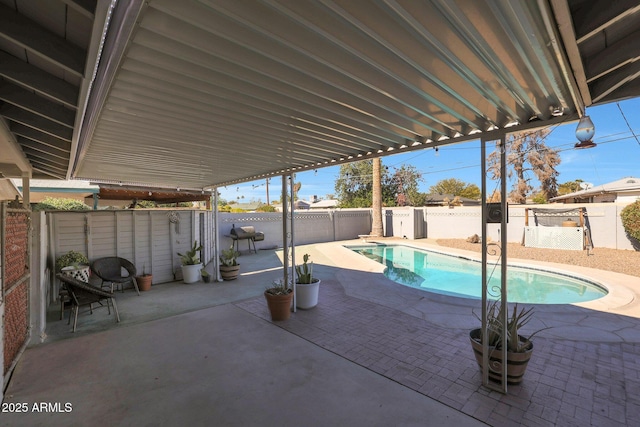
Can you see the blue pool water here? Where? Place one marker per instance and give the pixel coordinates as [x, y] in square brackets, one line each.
[455, 276]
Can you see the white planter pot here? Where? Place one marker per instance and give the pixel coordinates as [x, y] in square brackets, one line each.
[307, 294]
[191, 273]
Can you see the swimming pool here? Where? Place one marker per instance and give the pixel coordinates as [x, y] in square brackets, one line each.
[461, 277]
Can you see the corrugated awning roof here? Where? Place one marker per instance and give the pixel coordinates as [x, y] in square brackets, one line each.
[202, 93]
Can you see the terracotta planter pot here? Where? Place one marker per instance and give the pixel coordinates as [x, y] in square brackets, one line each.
[307, 294]
[144, 282]
[279, 305]
[516, 362]
[229, 272]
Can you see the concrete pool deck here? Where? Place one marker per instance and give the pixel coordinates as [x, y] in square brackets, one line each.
[371, 353]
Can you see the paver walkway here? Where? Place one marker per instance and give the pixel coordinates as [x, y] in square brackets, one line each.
[568, 383]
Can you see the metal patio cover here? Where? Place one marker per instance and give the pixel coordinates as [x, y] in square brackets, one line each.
[200, 93]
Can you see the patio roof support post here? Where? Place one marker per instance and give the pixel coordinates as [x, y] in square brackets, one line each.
[216, 237]
[485, 346]
[486, 291]
[293, 245]
[503, 254]
[285, 242]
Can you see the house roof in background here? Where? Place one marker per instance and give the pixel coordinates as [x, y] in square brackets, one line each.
[624, 185]
[323, 204]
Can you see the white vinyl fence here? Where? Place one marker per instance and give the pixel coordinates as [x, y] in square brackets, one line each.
[151, 239]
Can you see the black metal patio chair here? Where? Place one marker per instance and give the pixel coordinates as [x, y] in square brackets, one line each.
[83, 294]
[109, 270]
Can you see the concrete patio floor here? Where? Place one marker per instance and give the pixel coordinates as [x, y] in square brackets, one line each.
[371, 353]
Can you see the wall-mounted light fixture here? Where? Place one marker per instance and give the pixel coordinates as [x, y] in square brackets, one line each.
[584, 133]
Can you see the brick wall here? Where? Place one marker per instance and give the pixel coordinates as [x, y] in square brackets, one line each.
[16, 285]
[16, 257]
[15, 322]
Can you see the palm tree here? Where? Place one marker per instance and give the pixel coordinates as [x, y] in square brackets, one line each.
[376, 227]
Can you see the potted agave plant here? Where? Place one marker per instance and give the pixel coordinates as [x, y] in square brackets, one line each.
[307, 286]
[279, 297]
[229, 267]
[519, 348]
[191, 264]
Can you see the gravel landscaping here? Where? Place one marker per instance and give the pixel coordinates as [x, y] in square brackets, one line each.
[620, 261]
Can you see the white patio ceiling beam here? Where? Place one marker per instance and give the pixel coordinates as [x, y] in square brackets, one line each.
[33, 78]
[41, 42]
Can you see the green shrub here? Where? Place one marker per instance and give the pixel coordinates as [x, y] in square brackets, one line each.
[265, 208]
[60, 204]
[631, 219]
[540, 199]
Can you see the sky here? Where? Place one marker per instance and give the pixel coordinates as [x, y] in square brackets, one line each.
[616, 156]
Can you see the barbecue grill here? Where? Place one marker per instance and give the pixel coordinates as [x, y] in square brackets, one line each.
[248, 233]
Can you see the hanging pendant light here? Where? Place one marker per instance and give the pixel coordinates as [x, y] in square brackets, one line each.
[584, 133]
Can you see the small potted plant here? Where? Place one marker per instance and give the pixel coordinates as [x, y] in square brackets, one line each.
[519, 348]
[307, 286]
[206, 277]
[191, 264]
[279, 297]
[144, 280]
[73, 264]
[229, 267]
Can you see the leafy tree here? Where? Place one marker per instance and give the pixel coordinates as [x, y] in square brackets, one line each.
[527, 152]
[457, 188]
[406, 180]
[354, 186]
[540, 199]
[569, 187]
[60, 204]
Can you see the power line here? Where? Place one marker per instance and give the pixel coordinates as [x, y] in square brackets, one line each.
[627, 122]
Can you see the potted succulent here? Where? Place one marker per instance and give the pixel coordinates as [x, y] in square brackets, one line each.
[307, 286]
[229, 267]
[191, 264]
[144, 280]
[519, 348]
[206, 277]
[279, 297]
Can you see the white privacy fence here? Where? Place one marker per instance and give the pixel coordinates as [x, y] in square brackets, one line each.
[151, 239]
[601, 219]
[309, 226]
